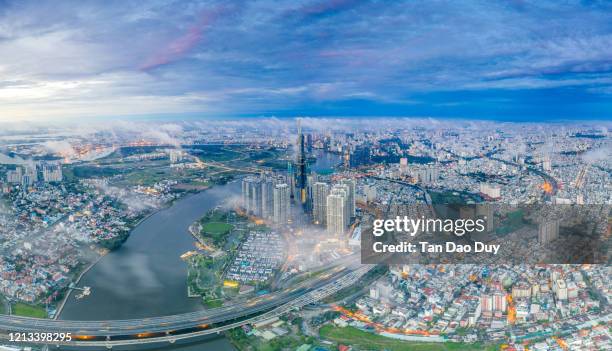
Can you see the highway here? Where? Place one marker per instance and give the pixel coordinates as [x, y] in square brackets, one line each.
[192, 324]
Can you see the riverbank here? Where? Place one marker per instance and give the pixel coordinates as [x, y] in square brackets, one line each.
[146, 276]
[60, 307]
[76, 282]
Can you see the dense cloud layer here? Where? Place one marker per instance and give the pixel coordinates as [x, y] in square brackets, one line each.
[515, 59]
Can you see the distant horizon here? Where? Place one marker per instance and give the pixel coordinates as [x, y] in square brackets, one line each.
[177, 118]
[159, 127]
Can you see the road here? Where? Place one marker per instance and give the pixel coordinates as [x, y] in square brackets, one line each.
[193, 324]
[296, 303]
[547, 177]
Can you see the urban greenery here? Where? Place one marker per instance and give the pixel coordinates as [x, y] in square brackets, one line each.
[26, 310]
[363, 340]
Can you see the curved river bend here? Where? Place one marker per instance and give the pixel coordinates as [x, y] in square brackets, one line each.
[145, 277]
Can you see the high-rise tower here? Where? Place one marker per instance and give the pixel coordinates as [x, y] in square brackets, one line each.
[301, 167]
[337, 212]
[281, 204]
[251, 195]
[548, 230]
[350, 184]
[319, 202]
[267, 198]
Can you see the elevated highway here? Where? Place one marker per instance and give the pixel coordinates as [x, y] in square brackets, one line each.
[163, 329]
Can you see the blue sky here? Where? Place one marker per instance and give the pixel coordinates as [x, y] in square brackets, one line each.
[525, 60]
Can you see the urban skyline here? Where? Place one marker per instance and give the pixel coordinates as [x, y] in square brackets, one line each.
[310, 175]
[216, 224]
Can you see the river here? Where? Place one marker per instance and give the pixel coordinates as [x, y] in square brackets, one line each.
[145, 277]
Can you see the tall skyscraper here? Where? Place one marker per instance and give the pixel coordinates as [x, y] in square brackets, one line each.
[51, 172]
[548, 230]
[256, 203]
[319, 202]
[14, 176]
[337, 211]
[499, 301]
[309, 142]
[403, 166]
[245, 193]
[29, 177]
[344, 189]
[301, 167]
[310, 181]
[267, 198]
[486, 302]
[281, 203]
[291, 179]
[350, 183]
[175, 156]
[428, 175]
[26, 181]
[252, 195]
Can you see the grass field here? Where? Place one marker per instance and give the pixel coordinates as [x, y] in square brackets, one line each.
[215, 153]
[370, 341]
[22, 309]
[216, 228]
[148, 177]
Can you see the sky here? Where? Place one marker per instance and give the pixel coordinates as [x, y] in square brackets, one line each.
[505, 60]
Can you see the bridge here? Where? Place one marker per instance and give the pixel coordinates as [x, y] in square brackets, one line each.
[169, 329]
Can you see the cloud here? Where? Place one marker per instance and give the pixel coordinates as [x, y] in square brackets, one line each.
[15, 160]
[595, 155]
[179, 47]
[315, 9]
[309, 57]
[161, 137]
[62, 147]
[172, 128]
[134, 201]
